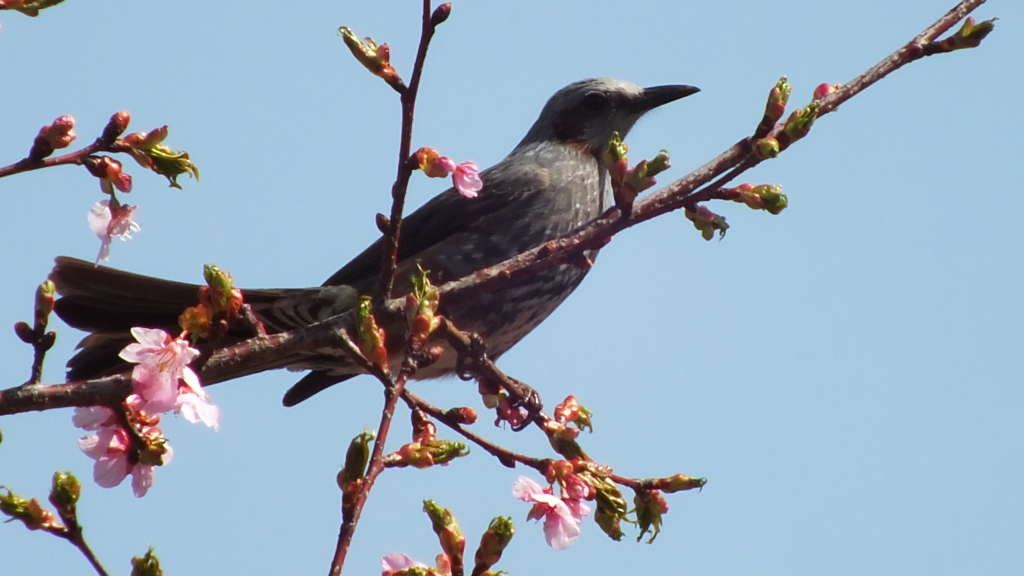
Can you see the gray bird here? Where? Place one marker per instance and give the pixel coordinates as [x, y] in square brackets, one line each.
[551, 183]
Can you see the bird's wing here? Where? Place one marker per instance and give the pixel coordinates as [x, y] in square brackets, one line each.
[449, 214]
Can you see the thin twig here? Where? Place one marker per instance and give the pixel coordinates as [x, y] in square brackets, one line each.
[401, 185]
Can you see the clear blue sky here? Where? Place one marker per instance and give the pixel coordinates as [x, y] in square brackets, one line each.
[847, 375]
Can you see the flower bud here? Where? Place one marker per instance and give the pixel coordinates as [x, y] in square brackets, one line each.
[681, 482]
[765, 148]
[462, 415]
[650, 506]
[64, 493]
[493, 542]
[24, 332]
[707, 222]
[800, 121]
[44, 303]
[116, 126]
[453, 543]
[30, 512]
[376, 59]
[371, 336]
[148, 565]
[441, 13]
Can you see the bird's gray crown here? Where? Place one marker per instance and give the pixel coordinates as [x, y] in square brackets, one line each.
[588, 111]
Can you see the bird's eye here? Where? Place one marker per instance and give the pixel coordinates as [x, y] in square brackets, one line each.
[595, 102]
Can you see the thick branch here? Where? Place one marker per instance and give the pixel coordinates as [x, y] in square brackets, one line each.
[269, 352]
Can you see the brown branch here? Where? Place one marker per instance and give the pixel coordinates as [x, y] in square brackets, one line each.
[405, 169]
[73, 534]
[505, 456]
[274, 351]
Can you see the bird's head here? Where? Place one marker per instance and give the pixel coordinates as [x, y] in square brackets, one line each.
[589, 111]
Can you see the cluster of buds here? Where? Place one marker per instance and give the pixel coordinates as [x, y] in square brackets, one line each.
[453, 543]
[563, 437]
[492, 395]
[426, 449]
[110, 174]
[797, 125]
[465, 176]
[612, 508]
[219, 305]
[707, 222]
[36, 334]
[969, 35]
[573, 478]
[149, 152]
[767, 197]
[371, 336]
[352, 477]
[54, 136]
[376, 59]
[628, 183]
[570, 411]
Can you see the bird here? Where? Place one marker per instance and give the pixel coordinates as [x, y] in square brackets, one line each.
[551, 183]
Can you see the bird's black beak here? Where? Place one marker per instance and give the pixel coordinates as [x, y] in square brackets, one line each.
[657, 95]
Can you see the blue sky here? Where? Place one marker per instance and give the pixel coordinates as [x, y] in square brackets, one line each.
[847, 374]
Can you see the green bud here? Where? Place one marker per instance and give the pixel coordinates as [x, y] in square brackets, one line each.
[616, 150]
[148, 565]
[650, 506]
[659, 164]
[493, 542]
[444, 451]
[765, 148]
[800, 121]
[171, 163]
[774, 200]
[609, 524]
[453, 543]
[357, 457]
[30, 512]
[681, 482]
[44, 303]
[64, 493]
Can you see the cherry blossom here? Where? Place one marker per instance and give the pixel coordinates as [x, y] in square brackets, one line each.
[466, 178]
[396, 562]
[562, 516]
[111, 220]
[162, 362]
[110, 447]
[196, 407]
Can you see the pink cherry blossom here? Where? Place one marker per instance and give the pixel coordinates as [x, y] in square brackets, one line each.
[109, 222]
[562, 516]
[396, 561]
[109, 447]
[93, 417]
[162, 362]
[196, 407]
[466, 178]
